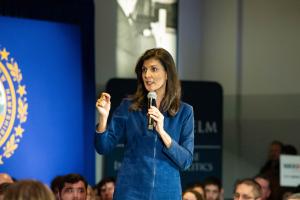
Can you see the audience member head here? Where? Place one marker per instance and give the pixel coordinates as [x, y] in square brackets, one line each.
[72, 186]
[275, 150]
[28, 189]
[199, 188]
[295, 196]
[247, 189]
[91, 194]
[287, 191]
[264, 182]
[5, 178]
[212, 188]
[106, 188]
[191, 195]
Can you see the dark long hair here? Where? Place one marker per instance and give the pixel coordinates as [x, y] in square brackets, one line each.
[171, 101]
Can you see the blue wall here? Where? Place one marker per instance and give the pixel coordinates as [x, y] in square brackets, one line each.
[56, 139]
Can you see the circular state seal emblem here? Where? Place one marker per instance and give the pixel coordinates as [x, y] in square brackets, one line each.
[13, 105]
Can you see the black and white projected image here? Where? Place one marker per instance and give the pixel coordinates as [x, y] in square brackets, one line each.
[141, 25]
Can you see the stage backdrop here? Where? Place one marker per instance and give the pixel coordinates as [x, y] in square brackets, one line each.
[42, 114]
[206, 99]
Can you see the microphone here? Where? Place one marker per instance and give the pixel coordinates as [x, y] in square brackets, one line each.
[151, 102]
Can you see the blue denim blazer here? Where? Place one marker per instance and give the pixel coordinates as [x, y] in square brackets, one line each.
[149, 170]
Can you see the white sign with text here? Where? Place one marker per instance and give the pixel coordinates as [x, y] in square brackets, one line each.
[289, 170]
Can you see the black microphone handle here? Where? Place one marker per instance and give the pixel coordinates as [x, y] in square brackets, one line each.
[150, 125]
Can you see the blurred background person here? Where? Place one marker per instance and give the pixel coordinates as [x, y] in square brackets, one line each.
[191, 195]
[106, 188]
[264, 182]
[212, 188]
[28, 190]
[199, 188]
[295, 196]
[5, 178]
[271, 168]
[91, 195]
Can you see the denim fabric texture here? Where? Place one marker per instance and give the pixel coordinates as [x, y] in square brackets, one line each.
[149, 170]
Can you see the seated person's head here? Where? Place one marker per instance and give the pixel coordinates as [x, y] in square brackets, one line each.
[247, 189]
[199, 188]
[5, 178]
[275, 150]
[191, 194]
[106, 188]
[265, 184]
[72, 186]
[212, 188]
[28, 189]
[295, 196]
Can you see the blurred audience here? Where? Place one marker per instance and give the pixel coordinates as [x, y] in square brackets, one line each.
[271, 169]
[272, 163]
[264, 186]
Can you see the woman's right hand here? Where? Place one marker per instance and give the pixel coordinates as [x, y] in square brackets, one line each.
[103, 105]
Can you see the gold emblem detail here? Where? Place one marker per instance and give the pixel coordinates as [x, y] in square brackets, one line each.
[13, 105]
